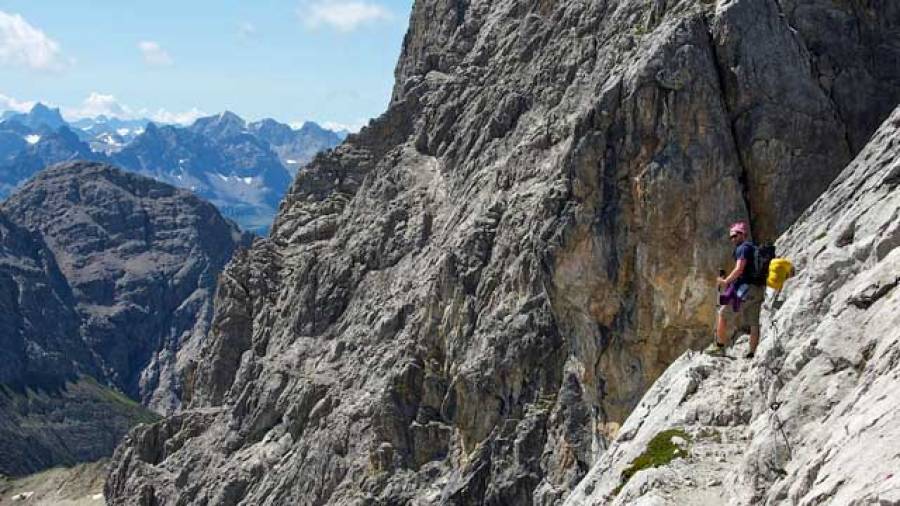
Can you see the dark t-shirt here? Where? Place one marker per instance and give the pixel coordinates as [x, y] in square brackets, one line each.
[745, 250]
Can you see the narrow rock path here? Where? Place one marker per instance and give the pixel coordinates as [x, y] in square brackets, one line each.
[710, 399]
[718, 427]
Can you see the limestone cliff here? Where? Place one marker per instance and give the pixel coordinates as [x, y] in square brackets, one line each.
[814, 419]
[463, 302]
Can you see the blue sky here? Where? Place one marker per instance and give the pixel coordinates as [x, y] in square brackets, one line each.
[322, 60]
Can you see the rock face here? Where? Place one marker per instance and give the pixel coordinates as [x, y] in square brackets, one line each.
[48, 415]
[116, 282]
[813, 420]
[106, 286]
[462, 303]
[78, 420]
[34, 296]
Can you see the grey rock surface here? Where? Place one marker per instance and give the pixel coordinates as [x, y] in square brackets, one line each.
[813, 419]
[37, 316]
[132, 267]
[464, 302]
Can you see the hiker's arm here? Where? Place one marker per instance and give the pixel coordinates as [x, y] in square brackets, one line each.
[736, 273]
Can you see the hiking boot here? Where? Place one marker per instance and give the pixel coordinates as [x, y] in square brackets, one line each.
[715, 350]
[750, 355]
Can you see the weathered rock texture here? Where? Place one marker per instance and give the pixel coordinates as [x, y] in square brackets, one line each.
[34, 296]
[463, 302]
[45, 419]
[814, 419]
[104, 275]
[123, 276]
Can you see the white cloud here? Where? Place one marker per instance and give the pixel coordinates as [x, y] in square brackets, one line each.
[108, 105]
[154, 54]
[181, 118]
[350, 127]
[24, 45]
[343, 15]
[95, 105]
[11, 104]
[334, 126]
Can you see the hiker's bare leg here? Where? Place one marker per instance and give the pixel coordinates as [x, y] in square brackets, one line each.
[754, 338]
[721, 325]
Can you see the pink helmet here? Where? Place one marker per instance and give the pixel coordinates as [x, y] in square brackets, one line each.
[741, 227]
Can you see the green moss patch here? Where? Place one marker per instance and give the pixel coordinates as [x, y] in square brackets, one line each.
[117, 400]
[660, 451]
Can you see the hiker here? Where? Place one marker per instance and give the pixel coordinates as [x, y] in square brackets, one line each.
[740, 294]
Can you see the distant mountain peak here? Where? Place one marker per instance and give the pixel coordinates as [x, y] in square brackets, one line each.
[151, 128]
[230, 116]
[244, 168]
[40, 108]
[312, 126]
[220, 126]
[39, 116]
[41, 111]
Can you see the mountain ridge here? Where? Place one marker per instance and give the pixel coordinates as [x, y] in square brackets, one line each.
[128, 227]
[235, 165]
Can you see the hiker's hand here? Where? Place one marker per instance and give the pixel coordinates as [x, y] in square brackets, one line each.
[720, 282]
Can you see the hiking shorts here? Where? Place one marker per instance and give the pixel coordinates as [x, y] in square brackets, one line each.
[749, 312]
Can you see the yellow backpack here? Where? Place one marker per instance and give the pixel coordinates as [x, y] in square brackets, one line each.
[780, 269]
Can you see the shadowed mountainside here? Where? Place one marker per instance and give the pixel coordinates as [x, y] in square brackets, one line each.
[106, 276]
